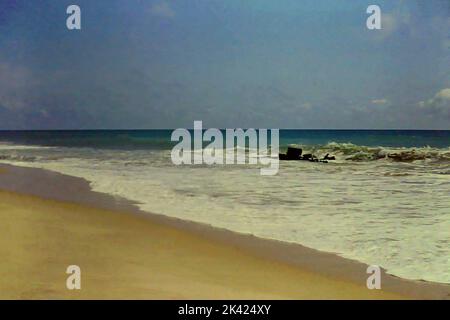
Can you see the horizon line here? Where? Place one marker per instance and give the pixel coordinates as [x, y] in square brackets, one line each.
[161, 129]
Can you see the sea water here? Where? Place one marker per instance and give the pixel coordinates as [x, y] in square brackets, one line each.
[384, 201]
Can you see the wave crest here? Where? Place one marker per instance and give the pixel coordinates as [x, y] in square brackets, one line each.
[353, 152]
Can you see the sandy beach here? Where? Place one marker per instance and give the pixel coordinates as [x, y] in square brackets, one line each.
[126, 255]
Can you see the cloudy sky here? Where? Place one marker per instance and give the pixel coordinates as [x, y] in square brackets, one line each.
[230, 63]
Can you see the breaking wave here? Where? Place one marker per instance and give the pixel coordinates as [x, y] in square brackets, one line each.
[352, 152]
[342, 151]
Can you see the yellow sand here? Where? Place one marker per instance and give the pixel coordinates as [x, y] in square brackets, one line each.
[123, 256]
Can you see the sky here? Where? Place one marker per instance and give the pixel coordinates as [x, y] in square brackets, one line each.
[147, 64]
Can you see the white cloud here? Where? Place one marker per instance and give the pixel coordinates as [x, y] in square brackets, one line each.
[306, 106]
[389, 23]
[393, 21]
[440, 103]
[162, 9]
[379, 101]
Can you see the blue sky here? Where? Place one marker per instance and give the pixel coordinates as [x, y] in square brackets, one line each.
[230, 63]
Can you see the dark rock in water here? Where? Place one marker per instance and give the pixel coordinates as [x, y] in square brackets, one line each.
[294, 153]
[328, 157]
[283, 156]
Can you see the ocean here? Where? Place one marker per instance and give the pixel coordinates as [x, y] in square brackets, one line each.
[384, 201]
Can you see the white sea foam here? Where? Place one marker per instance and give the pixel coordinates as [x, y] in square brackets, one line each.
[9, 146]
[394, 214]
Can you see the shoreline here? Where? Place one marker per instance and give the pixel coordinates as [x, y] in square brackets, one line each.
[56, 187]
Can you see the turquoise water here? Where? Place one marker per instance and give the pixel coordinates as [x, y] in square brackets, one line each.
[367, 205]
[160, 139]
